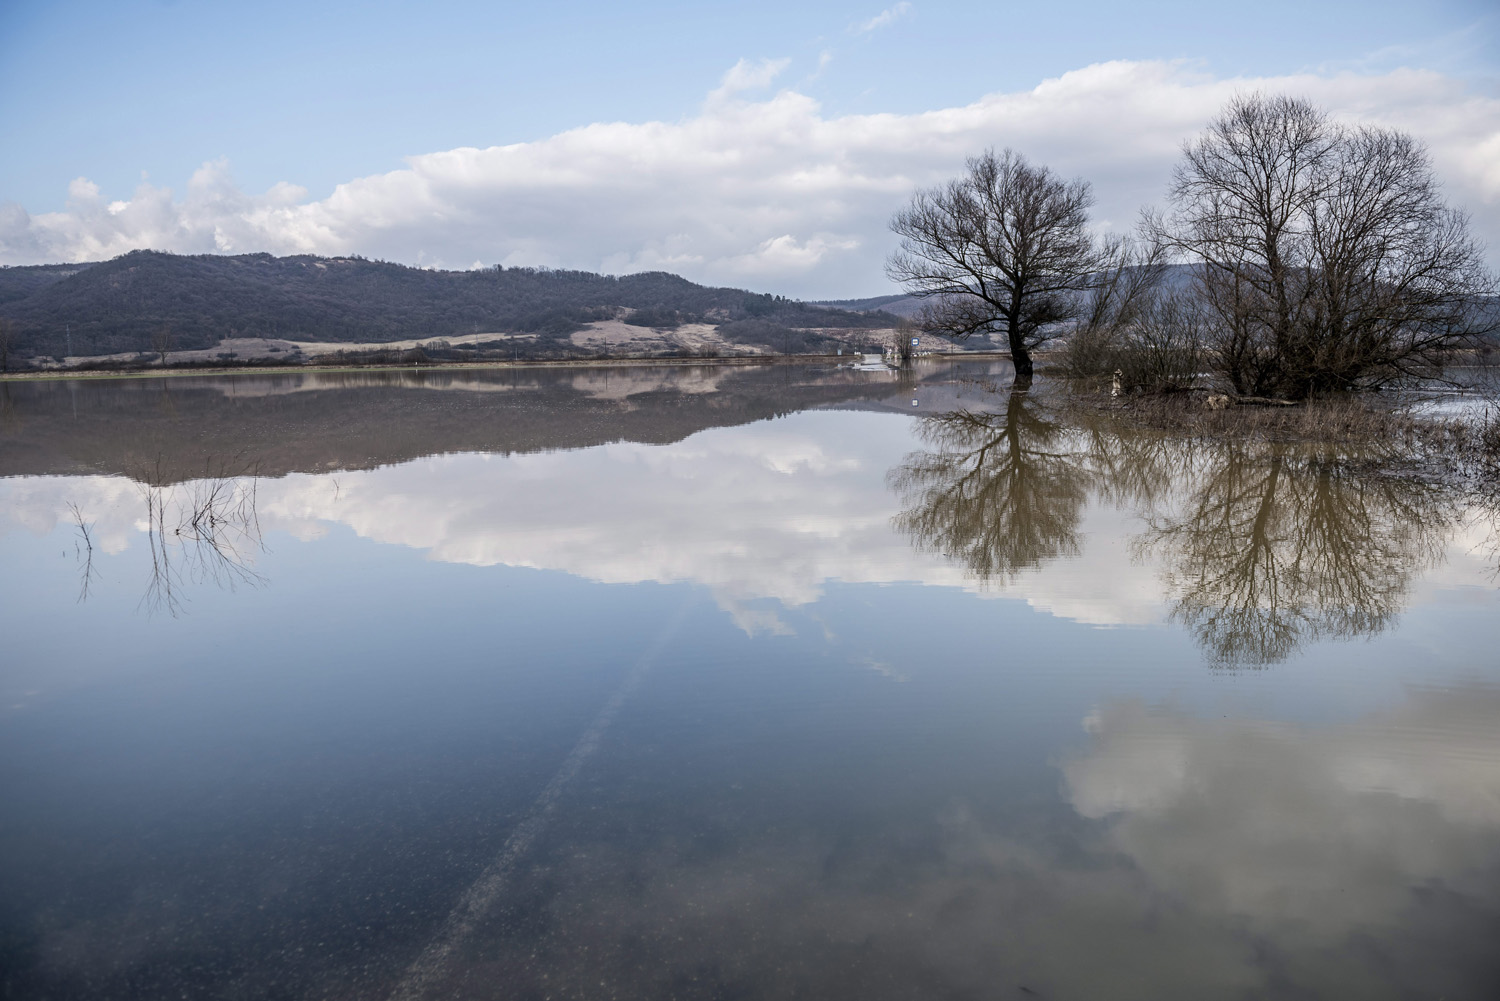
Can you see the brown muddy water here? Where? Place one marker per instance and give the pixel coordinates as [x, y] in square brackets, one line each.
[728, 683]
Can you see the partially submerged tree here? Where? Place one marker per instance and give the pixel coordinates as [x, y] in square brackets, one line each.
[1327, 255]
[1005, 248]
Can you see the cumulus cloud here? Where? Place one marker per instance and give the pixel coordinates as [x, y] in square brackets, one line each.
[769, 191]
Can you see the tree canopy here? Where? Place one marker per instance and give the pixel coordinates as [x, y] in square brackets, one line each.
[1326, 252]
[1004, 248]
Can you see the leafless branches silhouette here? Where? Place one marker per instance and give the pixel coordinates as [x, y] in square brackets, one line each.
[205, 530]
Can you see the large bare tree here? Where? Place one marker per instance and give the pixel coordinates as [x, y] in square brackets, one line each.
[1326, 251]
[1004, 248]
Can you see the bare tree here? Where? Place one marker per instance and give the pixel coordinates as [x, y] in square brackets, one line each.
[1148, 337]
[7, 337]
[1129, 276]
[1328, 256]
[1005, 248]
[161, 341]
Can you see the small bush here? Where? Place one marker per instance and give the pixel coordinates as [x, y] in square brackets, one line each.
[787, 340]
[1159, 348]
[656, 318]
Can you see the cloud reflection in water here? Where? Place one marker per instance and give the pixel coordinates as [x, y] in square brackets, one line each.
[1257, 548]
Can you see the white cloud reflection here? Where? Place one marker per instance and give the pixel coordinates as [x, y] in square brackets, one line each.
[1208, 859]
[1312, 830]
[768, 512]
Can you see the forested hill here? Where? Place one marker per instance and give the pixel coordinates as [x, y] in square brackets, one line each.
[118, 305]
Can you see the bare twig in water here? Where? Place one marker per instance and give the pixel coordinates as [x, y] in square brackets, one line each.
[202, 531]
[83, 551]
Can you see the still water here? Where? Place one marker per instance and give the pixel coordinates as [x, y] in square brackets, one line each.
[728, 683]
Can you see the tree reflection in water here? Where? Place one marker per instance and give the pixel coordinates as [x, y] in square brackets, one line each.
[199, 531]
[999, 492]
[1264, 546]
[83, 551]
[1280, 545]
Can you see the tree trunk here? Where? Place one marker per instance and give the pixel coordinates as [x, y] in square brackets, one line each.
[1021, 359]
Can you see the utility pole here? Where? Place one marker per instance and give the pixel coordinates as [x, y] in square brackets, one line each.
[69, 328]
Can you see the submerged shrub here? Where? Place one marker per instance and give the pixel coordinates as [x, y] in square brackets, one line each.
[1155, 340]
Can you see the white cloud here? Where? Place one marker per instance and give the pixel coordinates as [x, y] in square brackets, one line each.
[884, 19]
[708, 195]
[784, 253]
[745, 75]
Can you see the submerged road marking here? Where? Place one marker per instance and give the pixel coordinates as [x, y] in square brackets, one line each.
[431, 967]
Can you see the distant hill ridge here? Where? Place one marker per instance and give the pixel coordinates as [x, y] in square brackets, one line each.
[118, 305]
[900, 305]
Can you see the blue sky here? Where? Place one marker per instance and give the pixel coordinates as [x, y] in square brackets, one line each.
[312, 96]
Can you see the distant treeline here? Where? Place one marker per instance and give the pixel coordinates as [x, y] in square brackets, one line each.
[126, 304]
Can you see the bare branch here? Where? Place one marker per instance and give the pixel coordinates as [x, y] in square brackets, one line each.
[1003, 249]
[1326, 253]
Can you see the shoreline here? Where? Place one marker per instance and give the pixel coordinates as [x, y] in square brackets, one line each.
[611, 362]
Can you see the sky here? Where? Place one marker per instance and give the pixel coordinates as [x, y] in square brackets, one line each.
[760, 145]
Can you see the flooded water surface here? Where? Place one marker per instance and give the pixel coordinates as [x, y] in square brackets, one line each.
[729, 683]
